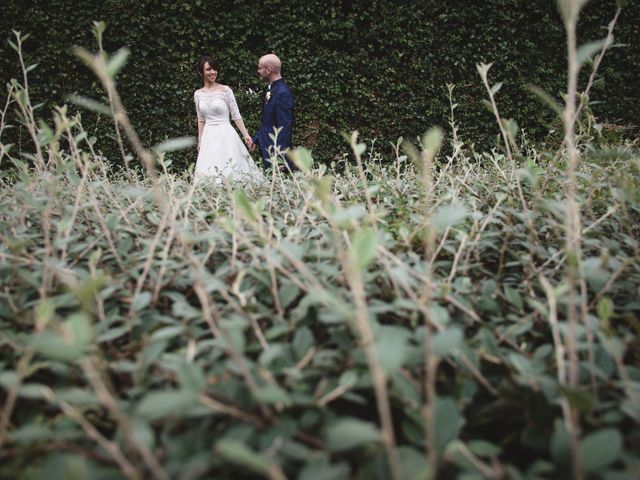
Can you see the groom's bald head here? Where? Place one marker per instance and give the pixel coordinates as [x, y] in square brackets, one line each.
[272, 61]
[269, 67]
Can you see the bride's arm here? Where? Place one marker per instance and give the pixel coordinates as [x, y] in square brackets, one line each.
[235, 116]
[200, 128]
[243, 130]
[199, 119]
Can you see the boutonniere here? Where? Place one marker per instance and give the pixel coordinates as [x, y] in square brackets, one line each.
[268, 95]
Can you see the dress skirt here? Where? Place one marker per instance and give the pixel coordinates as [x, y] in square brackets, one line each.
[223, 154]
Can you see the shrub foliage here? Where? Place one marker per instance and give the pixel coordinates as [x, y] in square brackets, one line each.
[214, 333]
[378, 67]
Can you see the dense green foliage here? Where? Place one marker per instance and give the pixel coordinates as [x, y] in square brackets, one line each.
[378, 67]
[213, 332]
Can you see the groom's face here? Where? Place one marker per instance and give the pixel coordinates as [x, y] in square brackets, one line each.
[263, 71]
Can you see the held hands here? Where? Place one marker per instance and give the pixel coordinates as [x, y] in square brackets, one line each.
[250, 145]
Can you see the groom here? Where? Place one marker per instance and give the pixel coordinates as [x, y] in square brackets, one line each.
[277, 113]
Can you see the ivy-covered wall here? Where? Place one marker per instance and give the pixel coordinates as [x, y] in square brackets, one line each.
[376, 66]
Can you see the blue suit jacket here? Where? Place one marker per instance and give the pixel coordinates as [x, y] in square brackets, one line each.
[276, 113]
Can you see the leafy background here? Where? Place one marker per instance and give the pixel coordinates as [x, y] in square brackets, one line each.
[378, 67]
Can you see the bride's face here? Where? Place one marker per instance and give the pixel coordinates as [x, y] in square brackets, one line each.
[209, 73]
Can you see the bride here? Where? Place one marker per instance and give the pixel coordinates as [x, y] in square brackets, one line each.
[221, 153]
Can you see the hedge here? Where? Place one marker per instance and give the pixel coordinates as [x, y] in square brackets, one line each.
[377, 67]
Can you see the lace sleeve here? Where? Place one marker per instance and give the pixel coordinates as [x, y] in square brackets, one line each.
[198, 113]
[233, 106]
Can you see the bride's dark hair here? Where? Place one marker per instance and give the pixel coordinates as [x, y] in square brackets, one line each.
[213, 63]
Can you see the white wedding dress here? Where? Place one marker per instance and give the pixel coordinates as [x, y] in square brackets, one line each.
[222, 153]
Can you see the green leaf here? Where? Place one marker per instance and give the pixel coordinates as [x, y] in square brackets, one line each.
[365, 244]
[143, 433]
[605, 309]
[414, 464]
[545, 98]
[496, 88]
[483, 448]
[68, 344]
[432, 141]
[273, 394]
[586, 51]
[166, 333]
[288, 293]
[45, 312]
[53, 346]
[579, 399]
[448, 422]
[273, 352]
[160, 404]
[560, 444]
[99, 28]
[77, 396]
[113, 333]
[243, 204]
[118, 61]
[302, 159]
[599, 449]
[344, 216]
[324, 471]
[448, 215]
[302, 340]
[348, 378]
[348, 433]
[392, 347]
[31, 433]
[31, 391]
[191, 377]
[439, 313]
[237, 452]
[444, 343]
[511, 126]
[89, 104]
[141, 301]
[175, 144]
[8, 379]
[513, 297]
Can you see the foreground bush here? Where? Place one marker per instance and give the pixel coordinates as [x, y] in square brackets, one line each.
[198, 331]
